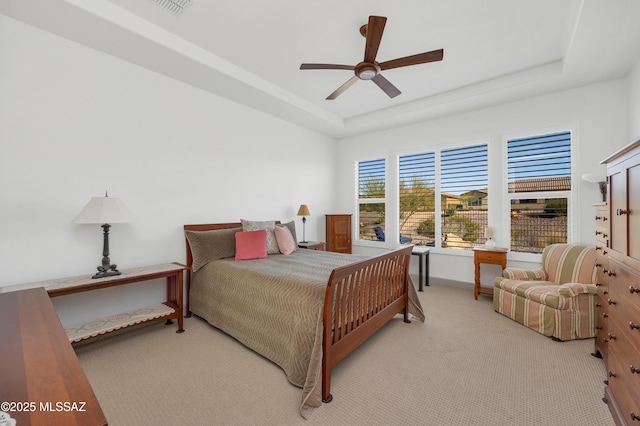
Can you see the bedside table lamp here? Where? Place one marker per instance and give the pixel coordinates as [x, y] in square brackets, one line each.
[104, 210]
[304, 211]
[489, 234]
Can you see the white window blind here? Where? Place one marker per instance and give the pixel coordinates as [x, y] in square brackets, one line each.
[464, 178]
[539, 185]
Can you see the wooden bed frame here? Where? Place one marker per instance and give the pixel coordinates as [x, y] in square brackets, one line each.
[367, 294]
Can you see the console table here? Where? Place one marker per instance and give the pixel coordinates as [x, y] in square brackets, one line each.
[171, 309]
[42, 380]
[492, 256]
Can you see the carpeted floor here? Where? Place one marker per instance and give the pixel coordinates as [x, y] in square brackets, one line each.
[465, 365]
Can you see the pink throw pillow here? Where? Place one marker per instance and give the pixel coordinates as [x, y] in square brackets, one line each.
[286, 243]
[251, 245]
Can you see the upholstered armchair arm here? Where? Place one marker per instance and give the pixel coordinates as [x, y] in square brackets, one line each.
[525, 274]
[574, 289]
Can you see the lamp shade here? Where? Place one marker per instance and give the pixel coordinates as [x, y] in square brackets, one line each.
[303, 210]
[489, 232]
[104, 210]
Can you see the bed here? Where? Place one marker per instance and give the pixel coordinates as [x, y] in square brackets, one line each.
[304, 311]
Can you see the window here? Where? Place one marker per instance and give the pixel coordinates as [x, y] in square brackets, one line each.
[371, 199]
[539, 185]
[464, 190]
[417, 221]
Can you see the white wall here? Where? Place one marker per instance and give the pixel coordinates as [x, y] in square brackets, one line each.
[634, 102]
[597, 116]
[75, 122]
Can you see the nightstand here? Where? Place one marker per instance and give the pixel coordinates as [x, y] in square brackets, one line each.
[313, 245]
[491, 256]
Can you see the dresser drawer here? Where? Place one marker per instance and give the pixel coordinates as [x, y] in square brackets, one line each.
[602, 237]
[490, 258]
[627, 396]
[619, 339]
[623, 304]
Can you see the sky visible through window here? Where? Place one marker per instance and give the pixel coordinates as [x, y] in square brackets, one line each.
[371, 180]
[541, 156]
[464, 169]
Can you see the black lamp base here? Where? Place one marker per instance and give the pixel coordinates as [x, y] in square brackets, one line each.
[108, 272]
[106, 269]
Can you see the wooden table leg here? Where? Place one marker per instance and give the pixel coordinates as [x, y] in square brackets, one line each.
[476, 288]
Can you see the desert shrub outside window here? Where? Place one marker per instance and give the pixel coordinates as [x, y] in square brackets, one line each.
[417, 194]
[463, 196]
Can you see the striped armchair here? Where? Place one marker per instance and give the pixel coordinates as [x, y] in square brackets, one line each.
[557, 299]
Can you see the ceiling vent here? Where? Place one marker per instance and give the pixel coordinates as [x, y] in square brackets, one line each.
[174, 6]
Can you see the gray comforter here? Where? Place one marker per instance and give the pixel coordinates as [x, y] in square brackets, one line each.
[274, 306]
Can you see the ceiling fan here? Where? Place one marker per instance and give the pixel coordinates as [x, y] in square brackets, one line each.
[369, 68]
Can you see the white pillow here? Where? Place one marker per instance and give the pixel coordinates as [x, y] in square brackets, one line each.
[267, 225]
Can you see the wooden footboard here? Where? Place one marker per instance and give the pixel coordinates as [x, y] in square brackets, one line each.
[360, 298]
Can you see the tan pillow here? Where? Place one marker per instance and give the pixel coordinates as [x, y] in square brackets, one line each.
[292, 227]
[267, 225]
[207, 246]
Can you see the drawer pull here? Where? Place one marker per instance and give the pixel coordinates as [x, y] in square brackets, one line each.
[634, 417]
[612, 374]
[621, 212]
[598, 217]
[606, 315]
[611, 302]
[611, 336]
[605, 292]
[598, 285]
[598, 327]
[598, 305]
[606, 271]
[611, 274]
[598, 265]
[633, 289]
[634, 326]
[634, 369]
[598, 232]
[598, 248]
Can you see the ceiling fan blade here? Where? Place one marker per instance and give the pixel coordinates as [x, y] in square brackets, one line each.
[375, 28]
[421, 58]
[326, 67]
[342, 88]
[388, 88]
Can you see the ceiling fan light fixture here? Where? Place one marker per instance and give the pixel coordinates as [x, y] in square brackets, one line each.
[367, 74]
[366, 71]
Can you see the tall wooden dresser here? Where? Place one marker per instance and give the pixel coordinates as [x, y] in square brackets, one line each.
[338, 229]
[622, 392]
